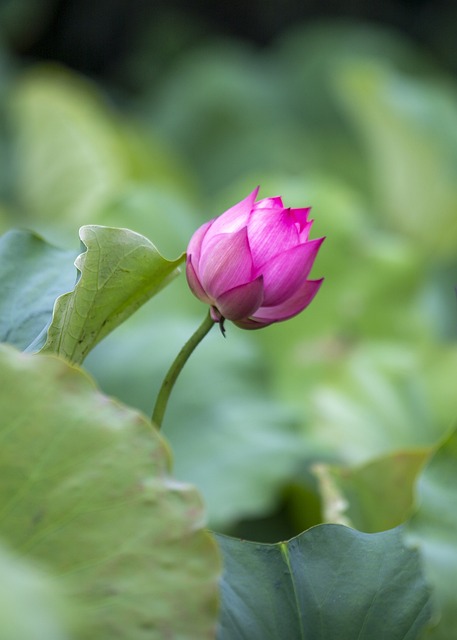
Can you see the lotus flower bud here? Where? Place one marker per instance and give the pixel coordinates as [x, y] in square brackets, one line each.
[251, 264]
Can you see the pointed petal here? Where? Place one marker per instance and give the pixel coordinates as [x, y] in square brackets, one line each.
[304, 233]
[195, 244]
[291, 307]
[225, 263]
[241, 302]
[285, 273]
[194, 282]
[270, 203]
[236, 217]
[270, 232]
[301, 217]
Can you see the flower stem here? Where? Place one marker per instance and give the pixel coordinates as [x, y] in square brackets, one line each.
[175, 369]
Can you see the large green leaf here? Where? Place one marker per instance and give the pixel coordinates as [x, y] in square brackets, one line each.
[30, 603]
[329, 582]
[32, 275]
[85, 489]
[433, 529]
[120, 271]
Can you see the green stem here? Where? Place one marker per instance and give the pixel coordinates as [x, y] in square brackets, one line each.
[176, 367]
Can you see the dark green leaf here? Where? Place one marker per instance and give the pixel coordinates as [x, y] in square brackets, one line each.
[32, 275]
[330, 582]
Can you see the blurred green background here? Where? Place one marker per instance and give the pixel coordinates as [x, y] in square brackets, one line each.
[158, 116]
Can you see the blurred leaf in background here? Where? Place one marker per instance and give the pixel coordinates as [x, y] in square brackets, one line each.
[74, 155]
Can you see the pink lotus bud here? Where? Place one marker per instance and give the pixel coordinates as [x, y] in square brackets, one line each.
[251, 263]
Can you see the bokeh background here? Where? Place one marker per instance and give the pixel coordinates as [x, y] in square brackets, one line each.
[157, 116]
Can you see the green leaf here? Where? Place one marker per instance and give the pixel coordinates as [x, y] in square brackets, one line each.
[371, 497]
[433, 529]
[120, 271]
[32, 274]
[329, 582]
[85, 490]
[30, 604]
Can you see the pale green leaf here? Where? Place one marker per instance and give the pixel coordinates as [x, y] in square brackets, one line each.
[120, 271]
[30, 603]
[85, 490]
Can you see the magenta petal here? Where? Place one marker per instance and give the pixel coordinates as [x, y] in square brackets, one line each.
[236, 217]
[306, 230]
[225, 263]
[301, 217]
[248, 323]
[195, 244]
[242, 301]
[285, 273]
[269, 203]
[270, 232]
[194, 282]
[291, 307]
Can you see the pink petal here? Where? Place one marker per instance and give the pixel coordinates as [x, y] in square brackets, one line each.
[236, 217]
[301, 217]
[240, 302]
[269, 203]
[270, 232]
[194, 282]
[195, 244]
[248, 323]
[291, 307]
[225, 263]
[304, 233]
[284, 273]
